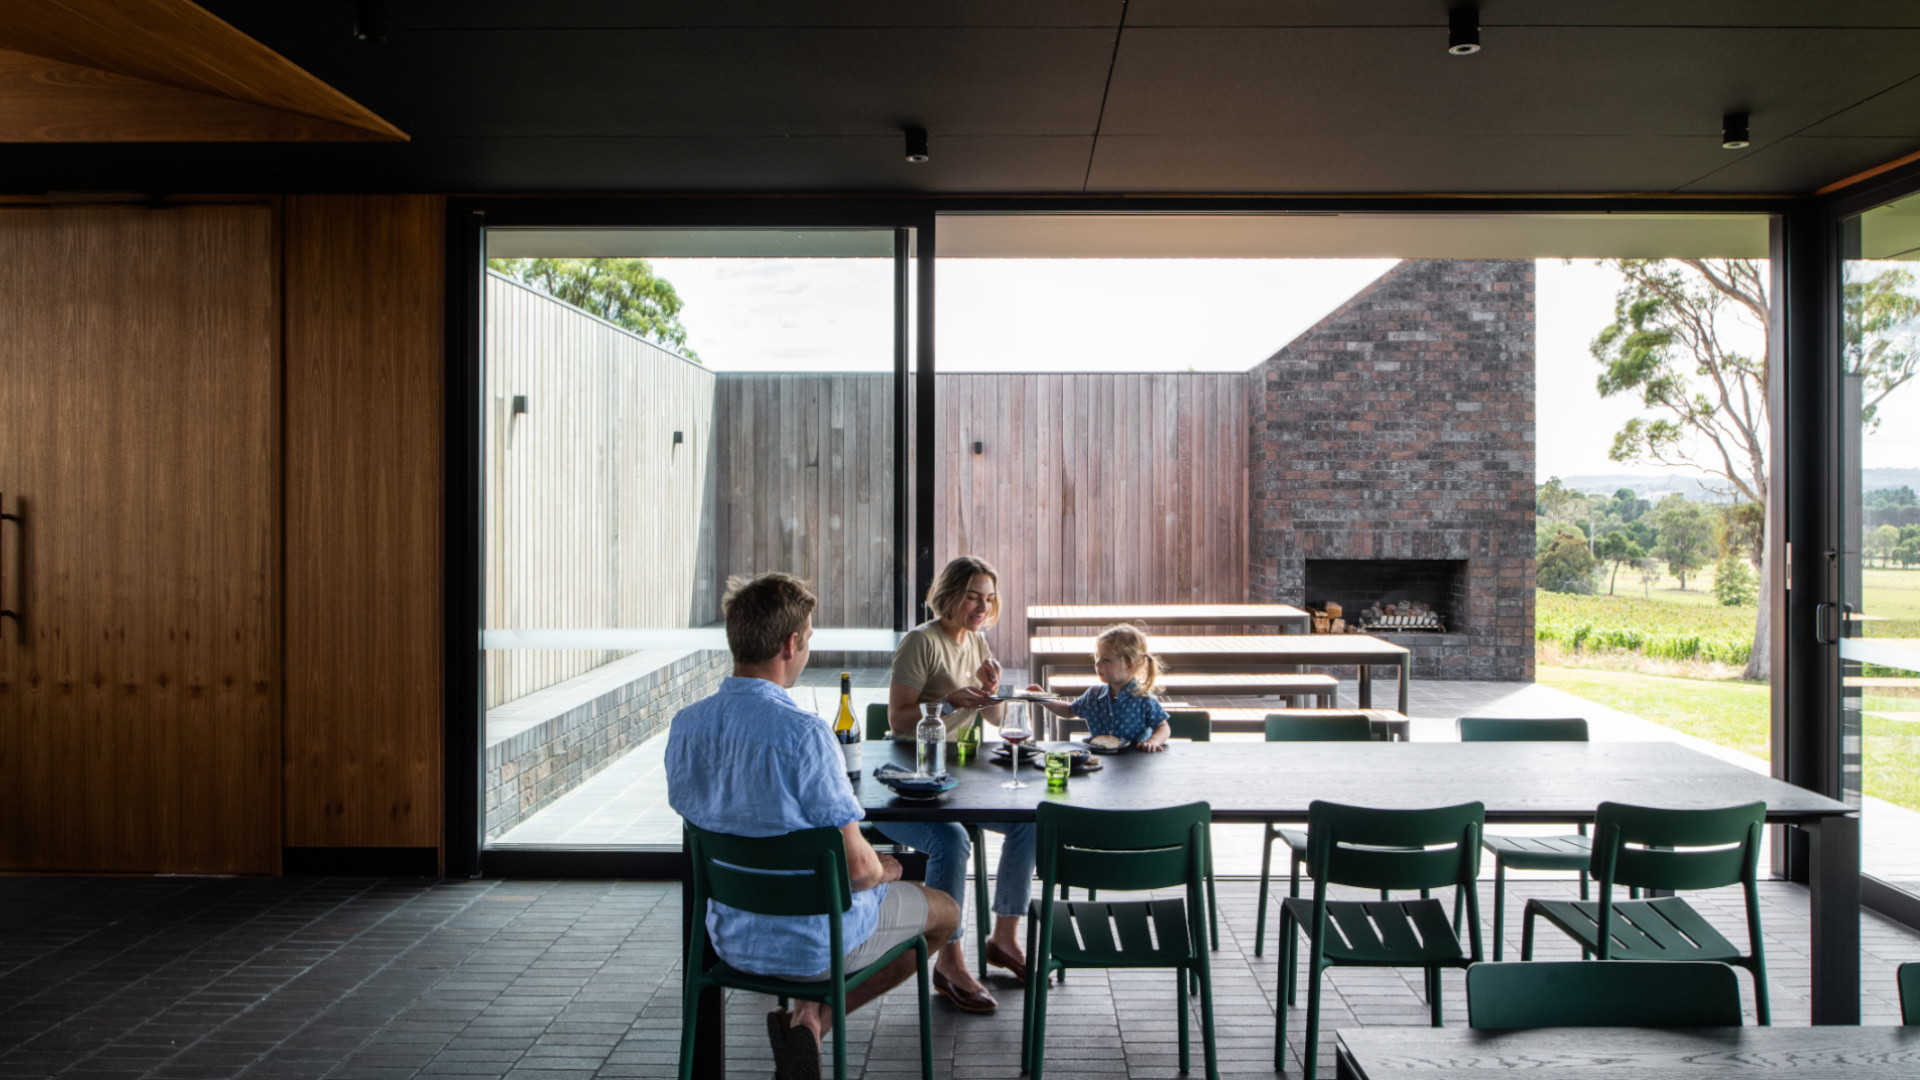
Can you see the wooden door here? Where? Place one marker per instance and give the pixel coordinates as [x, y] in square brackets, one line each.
[139, 692]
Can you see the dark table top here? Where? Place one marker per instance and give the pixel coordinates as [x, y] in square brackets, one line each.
[1805, 1053]
[1246, 781]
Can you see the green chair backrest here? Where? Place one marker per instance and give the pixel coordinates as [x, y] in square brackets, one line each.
[1124, 850]
[1655, 848]
[1333, 727]
[1394, 849]
[799, 873]
[1909, 978]
[1617, 993]
[877, 724]
[1515, 729]
[1195, 724]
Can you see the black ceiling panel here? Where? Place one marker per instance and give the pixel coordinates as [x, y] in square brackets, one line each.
[1802, 165]
[1894, 112]
[1545, 82]
[635, 14]
[1373, 164]
[1669, 13]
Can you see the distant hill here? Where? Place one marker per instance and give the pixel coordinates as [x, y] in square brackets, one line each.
[1704, 490]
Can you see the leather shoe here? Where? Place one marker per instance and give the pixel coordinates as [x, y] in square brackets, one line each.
[971, 1001]
[796, 1053]
[1000, 958]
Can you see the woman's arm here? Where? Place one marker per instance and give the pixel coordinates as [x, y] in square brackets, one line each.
[903, 709]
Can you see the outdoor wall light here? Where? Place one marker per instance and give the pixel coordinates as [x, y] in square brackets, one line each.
[518, 407]
[1733, 132]
[1463, 30]
[979, 447]
[916, 146]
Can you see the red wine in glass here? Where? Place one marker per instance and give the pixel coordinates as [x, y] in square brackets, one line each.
[1014, 737]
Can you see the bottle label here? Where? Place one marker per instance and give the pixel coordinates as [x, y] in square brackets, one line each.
[851, 751]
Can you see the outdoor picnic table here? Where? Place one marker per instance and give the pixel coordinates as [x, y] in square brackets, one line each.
[1519, 783]
[1285, 617]
[1246, 653]
[1405, 1053]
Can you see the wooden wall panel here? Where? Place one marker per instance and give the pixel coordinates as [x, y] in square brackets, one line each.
[1088, 487]
[1094, 488]
[364, 448]
[595, 516]
[139, 703]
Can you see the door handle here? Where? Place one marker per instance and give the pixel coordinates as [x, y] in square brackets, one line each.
[1823, 615]
[6, 612]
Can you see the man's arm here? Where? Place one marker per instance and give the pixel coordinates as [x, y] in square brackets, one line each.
[866, 867]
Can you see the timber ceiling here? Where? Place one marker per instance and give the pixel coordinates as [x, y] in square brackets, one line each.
[1067, 97]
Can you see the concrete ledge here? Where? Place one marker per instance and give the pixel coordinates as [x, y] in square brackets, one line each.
[545, 744]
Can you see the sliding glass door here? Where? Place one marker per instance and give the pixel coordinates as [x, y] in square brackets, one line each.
[1880, 535]
[664, 410]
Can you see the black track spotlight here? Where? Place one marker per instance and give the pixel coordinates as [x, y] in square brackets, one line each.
[1463, 30]
[370, 21]
[916, 146]
[1733, 132]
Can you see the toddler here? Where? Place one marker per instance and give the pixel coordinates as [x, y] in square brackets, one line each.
[1125, 707]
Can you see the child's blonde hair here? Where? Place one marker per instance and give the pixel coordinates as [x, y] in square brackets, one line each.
[1129, 645]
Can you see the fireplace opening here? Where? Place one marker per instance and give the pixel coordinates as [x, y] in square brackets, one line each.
[1391, 595]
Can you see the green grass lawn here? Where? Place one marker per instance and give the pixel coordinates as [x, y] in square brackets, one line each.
[1736, 714]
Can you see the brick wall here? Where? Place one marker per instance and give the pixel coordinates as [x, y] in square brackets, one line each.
[1401, 426]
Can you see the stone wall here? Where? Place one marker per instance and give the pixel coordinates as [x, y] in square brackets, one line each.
[1401, 426]
[545, 744]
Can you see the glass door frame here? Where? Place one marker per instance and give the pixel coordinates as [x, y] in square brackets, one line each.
[1819, 621]
[464, 511]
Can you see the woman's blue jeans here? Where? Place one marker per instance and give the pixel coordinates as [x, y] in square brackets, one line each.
[949, 852]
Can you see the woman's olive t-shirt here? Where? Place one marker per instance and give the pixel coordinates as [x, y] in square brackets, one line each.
[935, 665]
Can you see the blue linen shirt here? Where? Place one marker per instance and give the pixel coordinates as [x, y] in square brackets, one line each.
[1131, 715]
[751, 762]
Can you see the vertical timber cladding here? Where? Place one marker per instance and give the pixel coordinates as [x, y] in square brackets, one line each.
[364, 580]
[1401, 426]
[139, 700]
[1094, 487]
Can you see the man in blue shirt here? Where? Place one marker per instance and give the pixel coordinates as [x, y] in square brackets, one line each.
[751, 762]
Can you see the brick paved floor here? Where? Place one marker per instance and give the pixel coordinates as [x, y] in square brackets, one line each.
[198, 979]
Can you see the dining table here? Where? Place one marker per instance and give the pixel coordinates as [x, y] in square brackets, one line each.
[1733, 1053]
[1517, 782]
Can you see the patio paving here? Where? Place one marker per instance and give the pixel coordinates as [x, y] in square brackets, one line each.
[353, 979]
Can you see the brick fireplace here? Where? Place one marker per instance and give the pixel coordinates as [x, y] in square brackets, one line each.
[1392, 459]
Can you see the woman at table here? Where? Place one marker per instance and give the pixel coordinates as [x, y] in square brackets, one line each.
[945, 661]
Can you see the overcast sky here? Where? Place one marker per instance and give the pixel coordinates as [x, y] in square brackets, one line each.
[1151, 315]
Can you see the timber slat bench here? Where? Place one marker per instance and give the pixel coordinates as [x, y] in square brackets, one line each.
[1387, 724]
[1319, 687]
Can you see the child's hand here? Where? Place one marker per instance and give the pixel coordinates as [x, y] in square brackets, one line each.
[1151, 746]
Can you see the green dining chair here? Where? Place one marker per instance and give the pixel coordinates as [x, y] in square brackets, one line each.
[1908, 976]
[1620, 993]
[799, 874]
[1559, 852]
[1129, 850]
[1378, 849]
[1665, 849]
[1338, 727]
[880, 730]
[1195, 725]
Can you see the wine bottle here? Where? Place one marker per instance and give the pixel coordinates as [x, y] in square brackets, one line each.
[845, 730]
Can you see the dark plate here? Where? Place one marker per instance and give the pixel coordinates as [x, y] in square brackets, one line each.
[1092, 749]
[1034, 757]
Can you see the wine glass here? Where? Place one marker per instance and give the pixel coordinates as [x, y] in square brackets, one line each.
[1014, 729]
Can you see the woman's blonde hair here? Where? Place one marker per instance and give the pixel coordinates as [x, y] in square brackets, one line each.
[952, 584]
[1129, 645]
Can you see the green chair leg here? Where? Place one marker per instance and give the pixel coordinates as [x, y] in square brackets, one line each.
[982, 910]
[926, 1013]
[1213, 906]
[839, 1001]
[1266, 871]
[1182, 1016]
[1311, 1050]
[1500, 905]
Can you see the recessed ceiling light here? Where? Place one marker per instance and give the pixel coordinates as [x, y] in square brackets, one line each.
[1733, 132]
[1463, 30]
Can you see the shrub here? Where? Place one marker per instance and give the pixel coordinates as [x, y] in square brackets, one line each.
[1567, 566]
[1733, 583]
